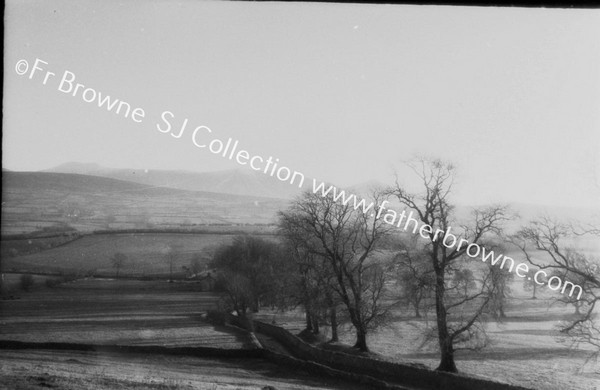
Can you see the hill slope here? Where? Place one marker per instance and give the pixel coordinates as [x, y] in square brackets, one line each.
[234, 181]
[43, 200]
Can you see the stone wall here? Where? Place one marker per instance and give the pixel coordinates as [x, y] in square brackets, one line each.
[408, 375]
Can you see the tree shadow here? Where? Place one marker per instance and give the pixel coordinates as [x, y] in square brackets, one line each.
[511, 354]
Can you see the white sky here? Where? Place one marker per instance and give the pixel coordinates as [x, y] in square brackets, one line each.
[338, 92]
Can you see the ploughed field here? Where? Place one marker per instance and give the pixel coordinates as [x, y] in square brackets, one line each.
[76, 370]
[125, 312]
[129, 312]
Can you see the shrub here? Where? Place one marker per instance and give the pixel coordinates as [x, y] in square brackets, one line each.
[69, 277]
[52, 282]
[216, 317]
[26, 282]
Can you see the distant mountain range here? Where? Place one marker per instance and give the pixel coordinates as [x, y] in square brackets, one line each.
[91, 197]
[34, 201]
[236, 181]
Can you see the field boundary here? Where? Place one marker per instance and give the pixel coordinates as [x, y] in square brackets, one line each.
[308, 365]
[151, 349]
[248, 353]
[80, 234]
[38, 235]
[178, 231]
[322, 369]
[406, 374]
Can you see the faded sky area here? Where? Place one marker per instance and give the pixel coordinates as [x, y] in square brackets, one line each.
[341, 93]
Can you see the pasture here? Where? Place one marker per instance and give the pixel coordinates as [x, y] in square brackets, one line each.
[524, 349]
[36, 201]
[148, 254]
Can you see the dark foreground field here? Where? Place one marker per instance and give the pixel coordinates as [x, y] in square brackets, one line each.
[74, 370]
[130, 313]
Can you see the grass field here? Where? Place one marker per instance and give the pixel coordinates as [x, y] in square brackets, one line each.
[524, 349]
[146, 254]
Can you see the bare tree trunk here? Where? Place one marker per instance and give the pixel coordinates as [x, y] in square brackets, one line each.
[501, 313]
[315, 325]
[447, 357]
[446, 348]
[334, 324]
[241, 312]
[309, 325]
[361, 340]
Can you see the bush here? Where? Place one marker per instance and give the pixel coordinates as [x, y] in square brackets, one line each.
[52, 282]
[69, 277]
[216, 317]
[26, 282]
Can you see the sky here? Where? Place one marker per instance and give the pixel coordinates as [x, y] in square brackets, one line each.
[340, 92]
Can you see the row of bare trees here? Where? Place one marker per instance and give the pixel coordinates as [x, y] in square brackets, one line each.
[463, 290]
[338, 262]
[546, 244]
[353, 256]
[253, 272]
[337, 250]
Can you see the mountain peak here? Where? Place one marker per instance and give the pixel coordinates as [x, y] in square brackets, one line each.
[76, 167]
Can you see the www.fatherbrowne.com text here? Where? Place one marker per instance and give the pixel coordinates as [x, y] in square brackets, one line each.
[202, 137]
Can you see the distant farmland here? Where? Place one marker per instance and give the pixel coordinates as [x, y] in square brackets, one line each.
[146, 254]
[42, 201]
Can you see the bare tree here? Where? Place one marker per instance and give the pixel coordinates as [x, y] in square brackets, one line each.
[415, 276]
[348, 240]
[530, 285]
[109, 219]
[581, 273]
[196, 265]
[463, 280]
[238, 289]
[252, 271]
[500, 280]
[171, 254]
[313, 285]
[433, 208]
[118, 261]
[501, 284]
